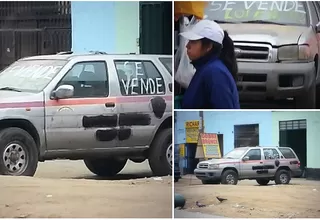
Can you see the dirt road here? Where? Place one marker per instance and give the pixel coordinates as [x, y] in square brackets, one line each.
[67, 189]
[300, 199]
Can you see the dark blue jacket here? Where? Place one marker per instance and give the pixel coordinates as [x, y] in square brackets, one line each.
[212, 86]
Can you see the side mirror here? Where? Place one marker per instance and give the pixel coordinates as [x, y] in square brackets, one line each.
[63, 92]
[318, 28]
[246, 158]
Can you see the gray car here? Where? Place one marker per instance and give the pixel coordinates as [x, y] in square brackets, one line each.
[277, 45]
[263, 164]
[103, 109]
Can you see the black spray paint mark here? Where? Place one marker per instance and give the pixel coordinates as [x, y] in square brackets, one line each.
[264, 167]
[106, 135]
[262, 171]
[277, 163]
[124, 133]
[129, 119]
[99, 121]
[158, 106]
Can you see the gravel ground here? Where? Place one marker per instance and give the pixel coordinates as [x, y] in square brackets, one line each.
[66, 189]
[300, 199]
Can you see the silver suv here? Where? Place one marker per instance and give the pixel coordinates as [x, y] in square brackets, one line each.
[104, 109]
[277, 46]
[260, 163]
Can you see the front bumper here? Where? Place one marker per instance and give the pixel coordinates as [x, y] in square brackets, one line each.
[261, 81]
[206, 174]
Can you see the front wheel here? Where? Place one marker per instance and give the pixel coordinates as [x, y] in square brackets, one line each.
[210, 181]
[160, 153]
[229, 177]
[263, 182]
[19, 153]
[105, 167]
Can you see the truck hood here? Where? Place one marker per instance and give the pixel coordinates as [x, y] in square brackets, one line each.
[11, 97]
[276, 35]
[219, 161]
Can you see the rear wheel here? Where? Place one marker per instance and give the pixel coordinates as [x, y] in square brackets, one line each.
[229, 177]
[282, 177]
[105, 167]
[160, 154]
[263, 182]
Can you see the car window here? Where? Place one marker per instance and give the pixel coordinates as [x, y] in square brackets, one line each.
[30, 75]
[284, 12]
[254, 154]
[139, 78]
[270, 154]
[89, 79]
[287, 153]
[167, 62]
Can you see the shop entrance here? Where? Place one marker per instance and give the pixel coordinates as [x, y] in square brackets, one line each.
[294, 134]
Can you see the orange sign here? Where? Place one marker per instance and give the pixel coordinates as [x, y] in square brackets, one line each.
[192, 124]
[209, 139]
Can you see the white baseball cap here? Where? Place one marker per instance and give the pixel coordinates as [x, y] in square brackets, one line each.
[205, 29]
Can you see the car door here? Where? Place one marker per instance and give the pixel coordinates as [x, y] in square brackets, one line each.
[249, 168]
[271, 161]
[87, 120]
[141, 86]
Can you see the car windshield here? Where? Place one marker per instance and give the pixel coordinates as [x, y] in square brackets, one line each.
[29, 75]
[235, 153]
[264, 12]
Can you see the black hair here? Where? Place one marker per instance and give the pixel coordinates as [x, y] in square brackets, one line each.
[225, 52]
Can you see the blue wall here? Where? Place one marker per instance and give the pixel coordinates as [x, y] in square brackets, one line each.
[93, 26]
[223, 123]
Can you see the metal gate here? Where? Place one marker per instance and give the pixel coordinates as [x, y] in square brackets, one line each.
[33, 28]
[156, 28]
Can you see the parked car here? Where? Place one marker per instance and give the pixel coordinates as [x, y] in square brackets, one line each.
[277, 45]
[103, 109]
[263, 164]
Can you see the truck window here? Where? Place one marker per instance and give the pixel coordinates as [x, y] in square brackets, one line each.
[254, 154]
[139, 78]
[284, 12]
[167, 62]
[287, 153]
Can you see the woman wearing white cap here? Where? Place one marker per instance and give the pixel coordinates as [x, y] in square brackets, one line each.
[211, 52]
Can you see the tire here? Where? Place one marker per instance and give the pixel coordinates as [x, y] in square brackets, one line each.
[263, 182]
[210, 181]
[108, 167]
[229, 177]
[308, 100]
[18, 146]
[159, 164]
[282, 177]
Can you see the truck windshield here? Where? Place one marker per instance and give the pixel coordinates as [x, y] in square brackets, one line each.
[29, 75]
[236, 153]
[273, 12]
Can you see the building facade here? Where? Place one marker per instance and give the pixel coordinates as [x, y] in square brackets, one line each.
[298, 130]
[122, 27]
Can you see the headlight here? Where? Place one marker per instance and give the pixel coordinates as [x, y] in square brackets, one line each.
[214, 166]
[294, 52]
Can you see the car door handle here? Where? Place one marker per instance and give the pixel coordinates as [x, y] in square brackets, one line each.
[110, 104]
[261, 162]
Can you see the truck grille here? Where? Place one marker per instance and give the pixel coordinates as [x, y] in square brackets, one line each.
[203, 166]
[252, 52]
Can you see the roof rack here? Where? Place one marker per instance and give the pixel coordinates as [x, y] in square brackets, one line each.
[98, 52]
[65, 53]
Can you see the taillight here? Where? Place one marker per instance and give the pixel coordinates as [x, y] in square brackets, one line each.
[298, 163]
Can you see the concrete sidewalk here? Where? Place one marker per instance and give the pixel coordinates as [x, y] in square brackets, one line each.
[185, 214]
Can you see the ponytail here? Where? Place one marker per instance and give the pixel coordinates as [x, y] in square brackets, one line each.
[228, 56]
[225, 52]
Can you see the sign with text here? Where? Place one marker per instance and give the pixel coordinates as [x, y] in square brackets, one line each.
[210, 145]
[192, 131]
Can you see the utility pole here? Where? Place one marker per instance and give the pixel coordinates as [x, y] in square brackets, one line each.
[201, 127]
